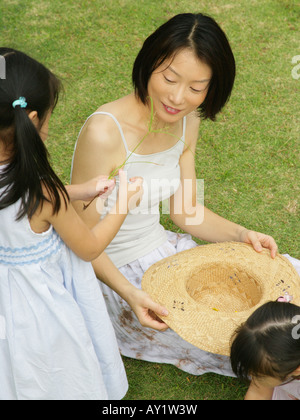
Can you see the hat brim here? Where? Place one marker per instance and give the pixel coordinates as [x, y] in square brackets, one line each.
[211, 290]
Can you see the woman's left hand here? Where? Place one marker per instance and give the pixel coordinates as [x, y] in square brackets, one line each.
[259, 241]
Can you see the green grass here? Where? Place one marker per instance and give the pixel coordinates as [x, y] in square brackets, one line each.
[249, 158]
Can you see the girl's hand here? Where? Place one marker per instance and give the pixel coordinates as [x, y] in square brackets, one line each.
[130, 193]
[146, 310]
[100, 186]
[259, 241]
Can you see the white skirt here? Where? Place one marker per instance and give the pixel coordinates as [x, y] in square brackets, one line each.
[56, 338]
[146, 344]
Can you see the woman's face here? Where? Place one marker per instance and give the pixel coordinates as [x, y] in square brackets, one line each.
[178, 86]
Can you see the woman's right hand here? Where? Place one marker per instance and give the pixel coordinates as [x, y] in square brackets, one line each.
[147, 311]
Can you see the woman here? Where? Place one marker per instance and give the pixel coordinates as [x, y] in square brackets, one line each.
[184, 72]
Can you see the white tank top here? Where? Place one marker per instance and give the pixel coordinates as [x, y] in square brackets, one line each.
[141, 231]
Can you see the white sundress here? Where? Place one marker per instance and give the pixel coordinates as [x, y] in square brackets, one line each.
[287, 392]
[56, 338]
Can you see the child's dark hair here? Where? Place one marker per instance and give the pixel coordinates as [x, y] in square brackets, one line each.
[28, 168]
[207, 40]
[265, 344]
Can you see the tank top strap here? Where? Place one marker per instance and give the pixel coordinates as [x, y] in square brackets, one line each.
[117, 124]
[120, 130]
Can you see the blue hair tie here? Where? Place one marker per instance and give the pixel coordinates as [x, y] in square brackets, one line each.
[21, 102]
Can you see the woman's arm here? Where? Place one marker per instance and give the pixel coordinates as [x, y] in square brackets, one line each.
[193, 217]
[96, 149]
[140, 302]
[199, 221]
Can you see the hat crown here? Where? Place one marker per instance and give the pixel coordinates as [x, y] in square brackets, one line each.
[223, 286]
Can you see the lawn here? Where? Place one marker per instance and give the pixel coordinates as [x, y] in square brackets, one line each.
[249, 159]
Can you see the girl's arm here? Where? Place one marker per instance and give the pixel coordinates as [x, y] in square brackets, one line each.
[101, 186]
[88, 243]
[194, 218]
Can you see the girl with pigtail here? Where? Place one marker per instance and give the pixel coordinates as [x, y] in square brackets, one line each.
[266, 351]
[56, 339]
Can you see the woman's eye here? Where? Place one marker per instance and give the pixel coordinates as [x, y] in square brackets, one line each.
[169, 80]
[196, 91]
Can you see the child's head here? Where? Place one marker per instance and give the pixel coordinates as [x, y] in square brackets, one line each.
[267, 344]
[21, 142]
[26, 77]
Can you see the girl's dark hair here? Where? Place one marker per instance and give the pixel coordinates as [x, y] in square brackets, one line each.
[28, 168]
[208, 41]
[266, 344]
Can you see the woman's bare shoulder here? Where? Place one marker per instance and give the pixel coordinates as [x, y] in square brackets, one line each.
[100, 130]
[99, 145]
[101, 127]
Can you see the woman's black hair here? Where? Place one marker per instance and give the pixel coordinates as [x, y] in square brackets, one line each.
[28, 168]
[206, 39]
[268, 343]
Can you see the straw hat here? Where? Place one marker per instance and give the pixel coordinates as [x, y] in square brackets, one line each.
[210, 290]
